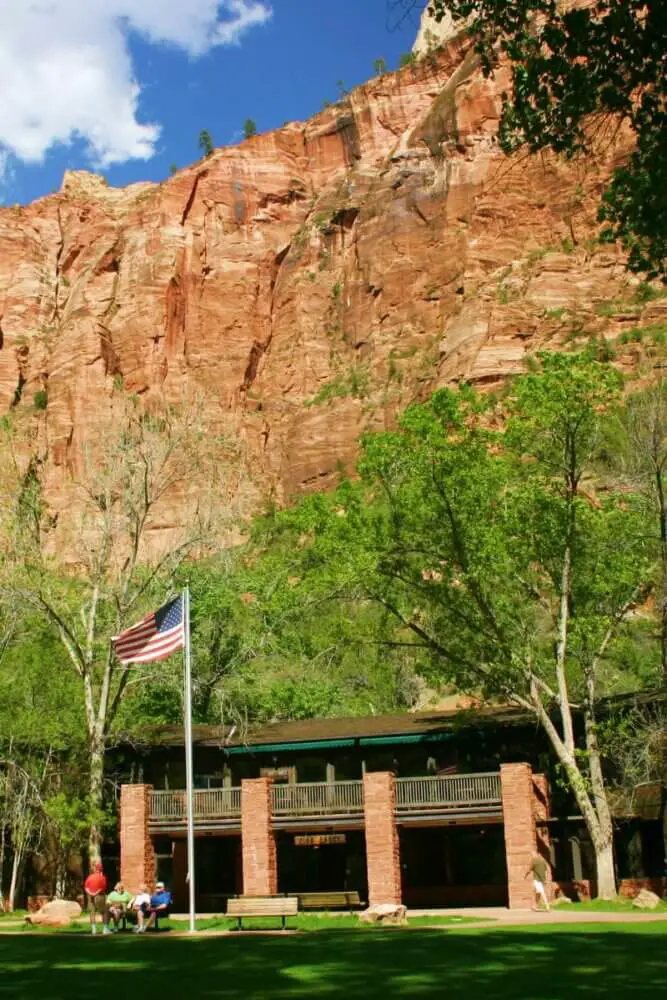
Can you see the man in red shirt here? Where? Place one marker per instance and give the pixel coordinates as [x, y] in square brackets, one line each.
[95, 888]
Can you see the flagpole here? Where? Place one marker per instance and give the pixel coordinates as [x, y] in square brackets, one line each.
[189, 775]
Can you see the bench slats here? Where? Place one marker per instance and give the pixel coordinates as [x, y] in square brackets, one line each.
[330, 900]
[262, 906]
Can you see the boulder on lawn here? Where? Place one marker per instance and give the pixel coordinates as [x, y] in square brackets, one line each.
[646, 900]
[57, 913]
[560, 900]
[385, 913]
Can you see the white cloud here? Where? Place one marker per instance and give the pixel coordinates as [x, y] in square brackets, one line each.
[67, 72]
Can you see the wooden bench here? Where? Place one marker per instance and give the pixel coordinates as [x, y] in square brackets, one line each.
[328, 900]
[262, 906]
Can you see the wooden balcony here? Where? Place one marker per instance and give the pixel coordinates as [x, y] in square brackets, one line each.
[312, 801]
[459, 797]
[213, 808]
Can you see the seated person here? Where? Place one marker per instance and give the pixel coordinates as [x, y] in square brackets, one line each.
[141, 906]
[118, 903]
[160, 904]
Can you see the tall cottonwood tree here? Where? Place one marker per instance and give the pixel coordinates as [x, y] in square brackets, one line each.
[153, 487]
[496, 557]
[641, 452]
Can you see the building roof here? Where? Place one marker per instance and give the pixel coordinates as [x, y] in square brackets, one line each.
[407, 727]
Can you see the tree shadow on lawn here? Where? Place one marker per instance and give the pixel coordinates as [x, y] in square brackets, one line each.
[541, 963]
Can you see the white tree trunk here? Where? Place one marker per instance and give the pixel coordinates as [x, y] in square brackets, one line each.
[14, 880]
[96, 792]
[605, 871]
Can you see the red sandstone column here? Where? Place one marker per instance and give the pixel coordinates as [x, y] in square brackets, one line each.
[137, 857]
[260, 868]
[382, 848]
[517, 791]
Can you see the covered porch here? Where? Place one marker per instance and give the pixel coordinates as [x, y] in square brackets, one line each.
[391, 839]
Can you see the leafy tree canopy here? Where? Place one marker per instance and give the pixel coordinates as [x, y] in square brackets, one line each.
[577, 71]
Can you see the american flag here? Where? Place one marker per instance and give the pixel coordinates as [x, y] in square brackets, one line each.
[156, 637]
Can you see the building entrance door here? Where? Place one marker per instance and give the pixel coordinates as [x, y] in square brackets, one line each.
[308, 864]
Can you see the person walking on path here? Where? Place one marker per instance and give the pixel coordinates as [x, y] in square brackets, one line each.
[539, 870]
[95, 888]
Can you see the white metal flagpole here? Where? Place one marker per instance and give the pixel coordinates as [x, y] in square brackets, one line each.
[189, 775]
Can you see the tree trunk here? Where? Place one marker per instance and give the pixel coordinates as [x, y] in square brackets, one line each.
[3, 853]
[662, 510]
[96, 791]
[605, 871]
[600, 827]
[14, 881]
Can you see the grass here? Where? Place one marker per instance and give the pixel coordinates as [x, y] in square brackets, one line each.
[556, 963]
[310, 922]
[609, 906]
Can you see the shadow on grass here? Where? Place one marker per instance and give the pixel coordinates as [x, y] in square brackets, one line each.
[544, 964]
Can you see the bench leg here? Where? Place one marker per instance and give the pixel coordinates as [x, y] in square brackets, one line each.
[284, 922]
[238, 923]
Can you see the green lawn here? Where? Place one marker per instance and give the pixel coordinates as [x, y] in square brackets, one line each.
[303, 922]
[618, 905]
[555, 963]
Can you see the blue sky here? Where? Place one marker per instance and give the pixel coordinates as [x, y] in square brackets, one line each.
[125, 86]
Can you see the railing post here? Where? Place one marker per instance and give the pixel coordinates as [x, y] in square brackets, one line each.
[382, 844]
[260, 867]
[137, 857]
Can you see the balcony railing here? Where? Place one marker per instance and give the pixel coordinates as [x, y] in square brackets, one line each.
[318, 799]
[455, 792]
[208, 804]
[459, 794]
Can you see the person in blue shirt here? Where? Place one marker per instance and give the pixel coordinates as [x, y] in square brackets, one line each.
[160, 904]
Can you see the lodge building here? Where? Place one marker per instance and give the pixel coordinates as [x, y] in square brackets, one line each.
[428, 809]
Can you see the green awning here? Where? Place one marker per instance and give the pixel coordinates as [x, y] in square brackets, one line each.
[378, 741]
[281, 747]
[363, 741]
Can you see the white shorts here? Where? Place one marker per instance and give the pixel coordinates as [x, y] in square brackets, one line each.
[538, 887]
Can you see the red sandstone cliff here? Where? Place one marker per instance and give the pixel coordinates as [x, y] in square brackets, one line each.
[312, 281]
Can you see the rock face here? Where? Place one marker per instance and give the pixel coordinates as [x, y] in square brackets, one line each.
[312, 281]
[433, 34]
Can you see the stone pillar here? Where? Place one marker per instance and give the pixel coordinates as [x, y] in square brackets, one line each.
[382, 847]
[260, 866]
[137, 857]
[518, 800]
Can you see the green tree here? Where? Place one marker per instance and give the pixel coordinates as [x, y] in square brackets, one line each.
[492, 555]
[206, 142]
[270, 645]
[640, 453]
[249, 128]
[116, 499]
[578, 71]
[407, 59]
[379, 67]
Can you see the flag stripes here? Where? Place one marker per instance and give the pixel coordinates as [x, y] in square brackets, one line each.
[154, 638]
